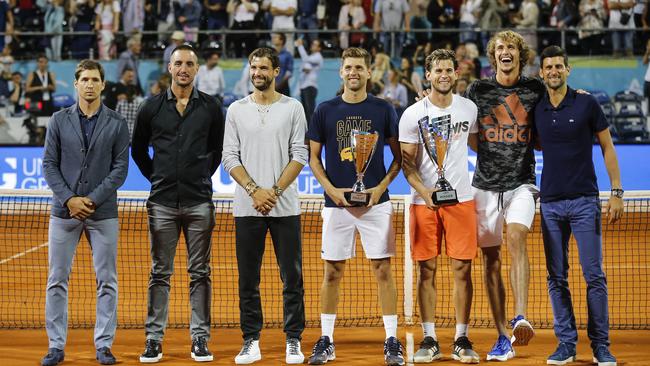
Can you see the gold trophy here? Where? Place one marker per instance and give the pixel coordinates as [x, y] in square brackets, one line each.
[435, 134]
[363, 147]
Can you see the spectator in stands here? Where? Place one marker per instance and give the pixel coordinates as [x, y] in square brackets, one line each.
[351, 17]
[216, 14]
[592, 20]
[243, 14]
[128, 108]
[17, 94]
[394, 92]
[564, 14]
[40, 86]
[286, 64]
[410, 79]
[641, 20]
[54, 18]
[107, 23]
[85, 161]
[526, 22]
[421, 52]
[491, 14]
[309, 69]
[82, 15]
[130, 59]
[531, 69]
[307, 19]
[165, 18]
[646, 84]
[115, 92]
[132, 16]
[6, 21]
[210, 78]
[420, 21]
[441, 15]
[378, 69]
[391, 19]
[6, 62]
[283, 12]
[473, 55]
[621, 16]
[466, 70]
[469, 13]
[177, 38]
[189, 18]
[461, 86]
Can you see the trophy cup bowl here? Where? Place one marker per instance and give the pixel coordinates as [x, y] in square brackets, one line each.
[363, 145]
[435, 135]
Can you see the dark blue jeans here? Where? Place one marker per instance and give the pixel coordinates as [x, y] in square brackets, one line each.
[580, 216]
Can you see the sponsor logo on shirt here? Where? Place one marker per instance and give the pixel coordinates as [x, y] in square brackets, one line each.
[343, 130]
[508, 122]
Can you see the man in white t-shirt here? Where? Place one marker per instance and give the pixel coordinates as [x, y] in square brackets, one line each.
[283, 12]
[429, 222]
[392, 15]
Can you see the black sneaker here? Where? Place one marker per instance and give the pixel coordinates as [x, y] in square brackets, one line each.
[152, 351]
[393, 352]
[323, 352]
[104, 356]
[200, 352]
[464, 352]
[429, 351]
[53, 357]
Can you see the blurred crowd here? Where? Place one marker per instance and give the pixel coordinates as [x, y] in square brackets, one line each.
[113, 22]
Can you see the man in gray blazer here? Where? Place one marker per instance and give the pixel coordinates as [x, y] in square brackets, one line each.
[85, 161]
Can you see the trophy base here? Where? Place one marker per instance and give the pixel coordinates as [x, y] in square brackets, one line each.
[444, 198]
[357, 198]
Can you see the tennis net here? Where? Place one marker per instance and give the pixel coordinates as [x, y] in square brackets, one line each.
[24, 217]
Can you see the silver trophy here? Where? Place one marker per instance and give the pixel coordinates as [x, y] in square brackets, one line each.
[363, 145]
[435, 135]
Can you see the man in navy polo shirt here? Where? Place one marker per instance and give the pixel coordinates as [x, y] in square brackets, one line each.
[566, 124]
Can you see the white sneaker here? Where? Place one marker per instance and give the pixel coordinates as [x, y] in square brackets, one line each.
[250, 352]
[294, 355]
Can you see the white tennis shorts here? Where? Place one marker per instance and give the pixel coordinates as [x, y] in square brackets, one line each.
[514, 206]
[375, 226]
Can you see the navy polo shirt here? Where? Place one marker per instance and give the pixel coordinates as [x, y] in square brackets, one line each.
[566, 134]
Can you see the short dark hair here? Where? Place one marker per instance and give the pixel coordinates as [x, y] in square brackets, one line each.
[553, 51]
[356, 52]
[16, 73]
[283, 38]
[86, 64]
[440, 55]
[267, 52]
[127, 69]
[184, 47]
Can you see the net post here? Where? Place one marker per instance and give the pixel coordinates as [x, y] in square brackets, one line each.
[408, 264]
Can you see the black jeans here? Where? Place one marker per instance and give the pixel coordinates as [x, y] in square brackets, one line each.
[308, 99]
[250, 235]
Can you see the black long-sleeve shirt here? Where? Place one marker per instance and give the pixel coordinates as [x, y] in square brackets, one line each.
[186, 148]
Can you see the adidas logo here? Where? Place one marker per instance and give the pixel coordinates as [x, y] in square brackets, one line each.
[507, 122]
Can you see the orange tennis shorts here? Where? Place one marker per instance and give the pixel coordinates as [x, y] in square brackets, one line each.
[456, 223]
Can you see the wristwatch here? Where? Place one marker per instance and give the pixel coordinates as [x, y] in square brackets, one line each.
[617, 192]
[278, 191]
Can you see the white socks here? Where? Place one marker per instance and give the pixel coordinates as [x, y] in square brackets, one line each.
[461, 331]
[390, 325]
[327, 325]
[429, 330]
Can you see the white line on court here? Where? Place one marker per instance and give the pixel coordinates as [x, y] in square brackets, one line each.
[33, 249]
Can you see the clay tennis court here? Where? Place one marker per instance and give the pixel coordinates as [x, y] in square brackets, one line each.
[23, 275]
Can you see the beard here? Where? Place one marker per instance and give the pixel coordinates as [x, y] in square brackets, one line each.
[442, 91]
[264, 86]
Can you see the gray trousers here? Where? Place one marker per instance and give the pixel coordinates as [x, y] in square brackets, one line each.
[64, 235]
[165, 225]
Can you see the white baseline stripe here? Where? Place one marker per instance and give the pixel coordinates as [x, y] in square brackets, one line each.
[33, 249]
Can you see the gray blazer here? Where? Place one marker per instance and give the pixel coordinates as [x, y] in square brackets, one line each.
[71, 171]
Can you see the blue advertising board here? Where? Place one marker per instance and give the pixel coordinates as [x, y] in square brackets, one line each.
[22, 168]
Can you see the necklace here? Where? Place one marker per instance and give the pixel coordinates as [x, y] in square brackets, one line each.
[262, 109]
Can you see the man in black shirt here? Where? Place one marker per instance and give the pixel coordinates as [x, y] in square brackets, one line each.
[124, 88]
[185, 127]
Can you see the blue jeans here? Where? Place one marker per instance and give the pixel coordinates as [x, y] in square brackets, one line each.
[628, 39]
[308, 22]
[580, 216]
